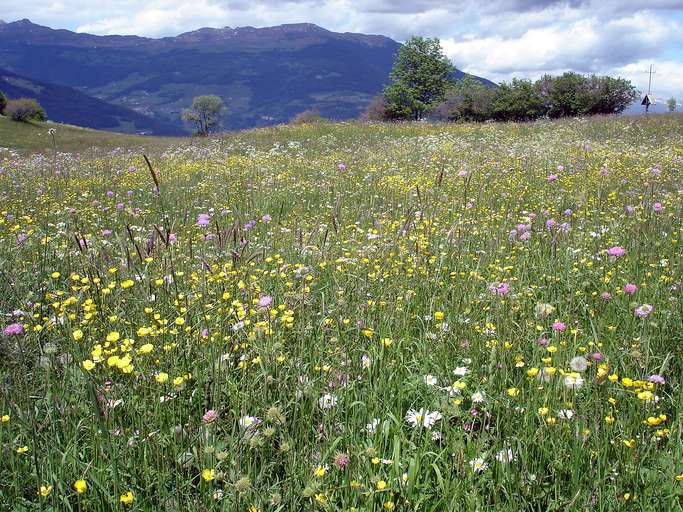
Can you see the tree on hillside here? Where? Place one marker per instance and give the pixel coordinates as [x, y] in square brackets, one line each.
[25, 109]
[671, 103]
[3, 102]
[206, 113]
[420, 78]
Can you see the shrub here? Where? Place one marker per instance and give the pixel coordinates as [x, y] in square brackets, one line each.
[25, 109]
[309, 116]
[377, 110]
[3, 102]
[468, 100]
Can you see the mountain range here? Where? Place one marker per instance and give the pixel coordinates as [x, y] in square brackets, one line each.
[137, 84]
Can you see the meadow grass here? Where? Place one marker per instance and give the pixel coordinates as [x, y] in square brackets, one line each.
[34, 137]
[347, 317]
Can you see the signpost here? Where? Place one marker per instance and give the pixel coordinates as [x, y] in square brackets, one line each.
[647, 100]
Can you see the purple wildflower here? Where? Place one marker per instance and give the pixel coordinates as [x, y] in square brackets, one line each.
[15, 329]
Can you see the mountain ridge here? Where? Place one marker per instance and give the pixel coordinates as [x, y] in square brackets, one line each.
[264, 75]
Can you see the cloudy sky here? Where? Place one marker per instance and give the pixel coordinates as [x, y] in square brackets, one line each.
[497, 39]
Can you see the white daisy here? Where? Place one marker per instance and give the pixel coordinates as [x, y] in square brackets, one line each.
[477, 397]
[565, 414]
[327, 401]
[573, 381]
[422, 418]
[371, 427]
[478, 465]
[505, 456]
[461, 371]
[430, 380]
[247, 422]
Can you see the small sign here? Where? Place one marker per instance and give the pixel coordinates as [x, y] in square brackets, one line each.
[646, 101]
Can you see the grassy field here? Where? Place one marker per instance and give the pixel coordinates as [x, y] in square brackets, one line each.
[33, 137]
[345, 317]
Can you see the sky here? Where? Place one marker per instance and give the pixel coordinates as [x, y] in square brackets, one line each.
[496, 39]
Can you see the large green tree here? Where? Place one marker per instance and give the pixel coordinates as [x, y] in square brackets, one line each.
[206, 113]
[419, 79]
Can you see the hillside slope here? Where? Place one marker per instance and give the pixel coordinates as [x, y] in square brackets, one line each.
[67, 105]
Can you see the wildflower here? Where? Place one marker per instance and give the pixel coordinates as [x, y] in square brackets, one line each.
[80, 486]
[327, 401]
[578, 364]
[616, 251]
[203, 219]
[77, 335]
[88, 365]
[243, 484]
[438, 316]
[565, 414]
[629, 443]
[386, 342]
[630, 288]
[430, 380]
[161, 377]
[4, 418]
[15, 329]
[559, 326]
[422, 418]
[127, 498]
[478, 465]
[247, 422]
[210, 416]
[365, 361]
[341, 460]
[646, 396]
[656, 379]
[513, 392]
[265, 301]
[389, 505]
[643, 311]
[208, 474]
[573, 381]
[22, 449]
[477, 397]
[505, 456]
[543, 310]
[381, 485]
[501, 289]
[461, 371]
[45, 490]
[371, 427]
